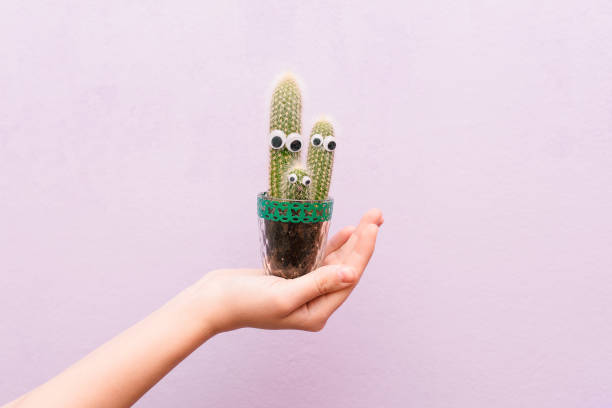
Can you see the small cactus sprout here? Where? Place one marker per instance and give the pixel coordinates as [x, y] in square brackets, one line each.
[321, 158]
[297, 183]
[285, 139]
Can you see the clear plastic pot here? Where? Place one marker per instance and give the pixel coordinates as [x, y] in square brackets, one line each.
[293, 234]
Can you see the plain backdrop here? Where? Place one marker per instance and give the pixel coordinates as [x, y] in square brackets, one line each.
[133, 144]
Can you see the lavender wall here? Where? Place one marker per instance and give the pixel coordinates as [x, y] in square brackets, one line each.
[132, 147]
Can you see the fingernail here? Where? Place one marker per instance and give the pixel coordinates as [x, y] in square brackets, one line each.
[346, 274]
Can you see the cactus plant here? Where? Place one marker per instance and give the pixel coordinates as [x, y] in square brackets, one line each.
[297, 183]
[294, 228]
[286, 143]
[321, 158]
[285, 128]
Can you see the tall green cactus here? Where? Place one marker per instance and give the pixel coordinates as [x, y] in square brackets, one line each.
[285, 129]
[321, 158]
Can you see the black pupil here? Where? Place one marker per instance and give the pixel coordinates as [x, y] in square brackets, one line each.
[331, 145]
[295, 145]
[316, 141]
[277, 141]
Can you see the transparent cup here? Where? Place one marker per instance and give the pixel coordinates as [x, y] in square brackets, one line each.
[292, 234]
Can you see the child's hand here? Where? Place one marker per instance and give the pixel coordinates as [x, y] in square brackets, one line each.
[233, 298]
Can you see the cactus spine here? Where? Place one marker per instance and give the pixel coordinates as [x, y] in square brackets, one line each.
[285, 116]
[321, 158]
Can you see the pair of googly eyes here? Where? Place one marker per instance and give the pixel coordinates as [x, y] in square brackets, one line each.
[293, 142]
[329, 143]
[293, 178]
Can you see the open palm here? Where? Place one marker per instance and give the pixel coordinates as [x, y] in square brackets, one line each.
[353, 247]
[237, 298]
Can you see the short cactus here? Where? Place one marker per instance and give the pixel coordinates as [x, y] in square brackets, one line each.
[297, 183]
[321, 158]
[285, 128]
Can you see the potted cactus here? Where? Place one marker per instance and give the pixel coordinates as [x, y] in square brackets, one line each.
[295, 212]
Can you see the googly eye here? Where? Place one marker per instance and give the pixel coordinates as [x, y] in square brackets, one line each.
[292, 178]
[277, 139]
[329, 143]
[316, 140]
[306, 181]
[294, 142]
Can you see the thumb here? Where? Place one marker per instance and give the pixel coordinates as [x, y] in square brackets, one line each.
[323, 280]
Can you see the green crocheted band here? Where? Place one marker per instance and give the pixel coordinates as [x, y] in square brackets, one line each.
[293, 210]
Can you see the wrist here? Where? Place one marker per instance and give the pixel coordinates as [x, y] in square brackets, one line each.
[190, 313]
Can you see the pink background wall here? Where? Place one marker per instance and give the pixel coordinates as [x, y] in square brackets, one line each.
[132, 145]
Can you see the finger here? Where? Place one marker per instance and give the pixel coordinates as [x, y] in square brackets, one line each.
[372, 216]
[313, 315]
[339, 239]
[321, 281]
[363, 250]
[358, 260]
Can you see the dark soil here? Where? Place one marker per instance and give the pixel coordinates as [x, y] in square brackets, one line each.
[292, 248]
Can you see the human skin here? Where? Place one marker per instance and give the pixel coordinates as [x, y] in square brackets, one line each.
[120, 371]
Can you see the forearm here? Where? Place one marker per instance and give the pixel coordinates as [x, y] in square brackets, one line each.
[122, 370]
[119, 372]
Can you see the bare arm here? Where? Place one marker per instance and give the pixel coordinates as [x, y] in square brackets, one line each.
[120, 371]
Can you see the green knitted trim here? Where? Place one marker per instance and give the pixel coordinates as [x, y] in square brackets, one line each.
[294, 211]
